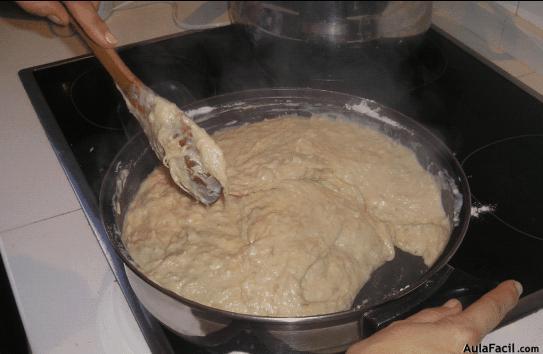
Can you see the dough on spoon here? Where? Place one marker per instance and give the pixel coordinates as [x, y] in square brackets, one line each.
[195, 161]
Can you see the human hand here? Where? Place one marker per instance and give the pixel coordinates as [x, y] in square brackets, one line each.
[83, 11]
[444, 329]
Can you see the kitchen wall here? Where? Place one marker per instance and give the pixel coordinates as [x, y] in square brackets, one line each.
[507, 32]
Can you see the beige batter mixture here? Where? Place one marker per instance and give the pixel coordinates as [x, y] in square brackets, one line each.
[314, 206]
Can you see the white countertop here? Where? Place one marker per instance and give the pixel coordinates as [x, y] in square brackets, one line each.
[67, 296]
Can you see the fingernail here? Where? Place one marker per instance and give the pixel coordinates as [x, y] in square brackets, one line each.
[55, 19]
[452, 303]
[110, 38]
[518, 286]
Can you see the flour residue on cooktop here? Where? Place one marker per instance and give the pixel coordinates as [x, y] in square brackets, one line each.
[507, 174]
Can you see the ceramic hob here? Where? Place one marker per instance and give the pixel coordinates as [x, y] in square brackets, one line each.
[493, 126]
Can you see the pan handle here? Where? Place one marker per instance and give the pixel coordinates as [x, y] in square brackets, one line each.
[462, 286]
[447, 283]
[381, 316]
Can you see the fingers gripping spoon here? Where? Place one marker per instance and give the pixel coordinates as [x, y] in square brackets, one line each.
[195, 162]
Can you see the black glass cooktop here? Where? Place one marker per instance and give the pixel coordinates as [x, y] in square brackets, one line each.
[493, 127]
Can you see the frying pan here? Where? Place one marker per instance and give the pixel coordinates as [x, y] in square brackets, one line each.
[393, 290]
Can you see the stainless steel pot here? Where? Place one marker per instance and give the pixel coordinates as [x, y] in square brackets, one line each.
[334, 21]
[393, 289]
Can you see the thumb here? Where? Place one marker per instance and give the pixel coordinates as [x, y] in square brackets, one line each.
[86, 16]
[487, 312]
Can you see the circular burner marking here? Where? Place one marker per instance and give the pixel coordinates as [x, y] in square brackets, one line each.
[508, 174]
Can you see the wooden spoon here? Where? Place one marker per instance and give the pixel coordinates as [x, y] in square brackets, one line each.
[195, 161]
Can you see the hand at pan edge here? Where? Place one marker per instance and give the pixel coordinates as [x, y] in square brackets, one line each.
[444, 329]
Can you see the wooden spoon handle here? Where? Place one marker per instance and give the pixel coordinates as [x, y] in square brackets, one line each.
[194, 176]
[128, 83]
